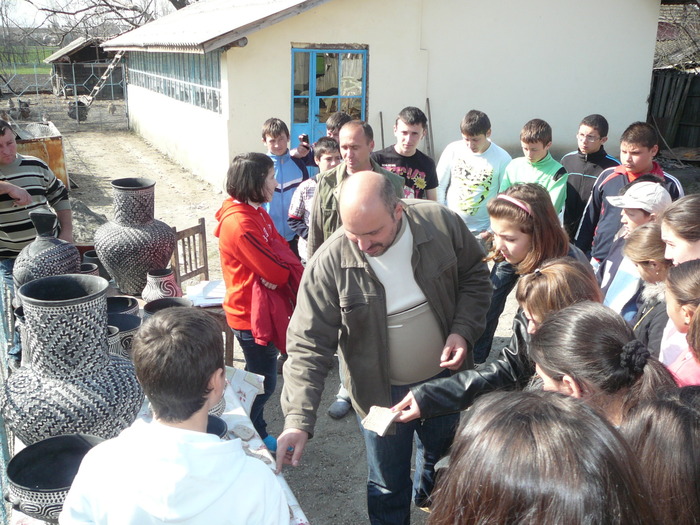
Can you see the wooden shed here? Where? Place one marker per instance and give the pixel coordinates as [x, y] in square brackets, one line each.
[77, 67]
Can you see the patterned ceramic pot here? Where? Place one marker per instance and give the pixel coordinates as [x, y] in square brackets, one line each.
[46, 255]
[114, 346]
[160, 284]
[134, 242]
[41, 474]
[128, 326]
[219, 408]
[89, 269]
[90, 256]
[71, 384]
[19, 327]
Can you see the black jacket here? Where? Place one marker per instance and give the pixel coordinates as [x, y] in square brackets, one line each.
[513, 369]
[651, 318]
[583, 172]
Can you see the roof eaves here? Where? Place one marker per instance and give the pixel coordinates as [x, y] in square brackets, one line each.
[222, 40]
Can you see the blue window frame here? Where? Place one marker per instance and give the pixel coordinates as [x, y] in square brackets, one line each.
[325, 81]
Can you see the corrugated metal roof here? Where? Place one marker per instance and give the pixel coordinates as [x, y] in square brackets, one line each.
[208, 25]
[76, 45]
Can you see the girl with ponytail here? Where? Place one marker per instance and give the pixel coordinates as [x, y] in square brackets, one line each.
[588, 351]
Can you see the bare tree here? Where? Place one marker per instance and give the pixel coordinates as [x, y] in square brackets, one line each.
[99, 17]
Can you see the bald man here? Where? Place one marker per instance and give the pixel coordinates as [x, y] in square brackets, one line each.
[401, 292]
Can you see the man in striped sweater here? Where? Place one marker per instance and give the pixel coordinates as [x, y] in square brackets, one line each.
[26, 183]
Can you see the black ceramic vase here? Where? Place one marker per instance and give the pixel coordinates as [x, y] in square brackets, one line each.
[134, 242]
[71, 383]
[46, 255]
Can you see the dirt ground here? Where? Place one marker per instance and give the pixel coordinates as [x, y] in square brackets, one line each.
[330, 483]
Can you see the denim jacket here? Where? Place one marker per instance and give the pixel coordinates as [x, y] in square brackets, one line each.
[341, 306]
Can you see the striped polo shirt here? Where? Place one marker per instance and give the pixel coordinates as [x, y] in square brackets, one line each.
[32, 174]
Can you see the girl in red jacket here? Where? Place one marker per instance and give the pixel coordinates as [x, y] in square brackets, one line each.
[252, 251]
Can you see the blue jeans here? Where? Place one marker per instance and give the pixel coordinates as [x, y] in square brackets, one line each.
[6, 283]
[261, 360]
[389, 484]
[503, 279]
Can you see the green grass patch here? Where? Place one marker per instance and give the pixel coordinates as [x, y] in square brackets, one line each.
[25, 54]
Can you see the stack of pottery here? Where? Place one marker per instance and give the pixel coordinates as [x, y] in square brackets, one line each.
[134, 242]
[46, 255]
[160, 284]
[71, 383]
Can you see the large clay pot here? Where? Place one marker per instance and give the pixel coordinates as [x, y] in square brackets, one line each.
[160, 284]
[134, 242]
[46, 255]
[71, 384]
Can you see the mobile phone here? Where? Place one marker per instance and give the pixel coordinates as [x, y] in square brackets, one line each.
[304, 139]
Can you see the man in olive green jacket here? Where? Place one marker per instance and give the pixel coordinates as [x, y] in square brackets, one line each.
[356, 145]
[390, 258]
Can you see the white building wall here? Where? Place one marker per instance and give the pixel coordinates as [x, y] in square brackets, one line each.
[260, 73]
[192, 136]
[556, 60]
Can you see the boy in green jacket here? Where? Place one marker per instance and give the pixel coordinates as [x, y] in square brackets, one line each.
[537, 165]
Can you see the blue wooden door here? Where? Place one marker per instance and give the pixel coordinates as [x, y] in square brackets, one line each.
[325, 81]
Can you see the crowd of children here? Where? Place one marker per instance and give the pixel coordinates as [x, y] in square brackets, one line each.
[605, 317]
[605, 259]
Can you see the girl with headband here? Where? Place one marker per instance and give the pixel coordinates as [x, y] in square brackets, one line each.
[526, 232]
[589, 352]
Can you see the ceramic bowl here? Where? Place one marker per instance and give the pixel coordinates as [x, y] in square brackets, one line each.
[161, 304]
[217, 426]
[122, 304]
[41, 474]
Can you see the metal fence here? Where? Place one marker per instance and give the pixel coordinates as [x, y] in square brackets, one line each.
[36, 93]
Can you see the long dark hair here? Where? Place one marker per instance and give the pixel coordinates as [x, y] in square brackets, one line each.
[539, 458]
[540, 221]
[665, 436]
[594, 346]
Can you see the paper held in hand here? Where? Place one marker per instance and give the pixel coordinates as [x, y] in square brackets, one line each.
[379, 419]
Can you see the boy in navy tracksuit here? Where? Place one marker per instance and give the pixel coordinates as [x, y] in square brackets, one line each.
[584, 165]
[289, 172]
[638, 146]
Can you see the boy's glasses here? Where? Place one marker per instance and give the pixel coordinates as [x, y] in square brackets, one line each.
[587, 138]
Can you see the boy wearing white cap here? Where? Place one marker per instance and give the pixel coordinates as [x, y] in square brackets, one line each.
[641, 202]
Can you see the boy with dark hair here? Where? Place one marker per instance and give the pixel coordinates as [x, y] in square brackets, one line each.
[404, 158]
[336, 121]
[584, 165]
[639, 145]
[537, 165]
[290, 172]
[327, 156]
[170, 469]
[470, 172]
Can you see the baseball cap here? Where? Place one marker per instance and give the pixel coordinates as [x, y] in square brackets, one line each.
[651, 197]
